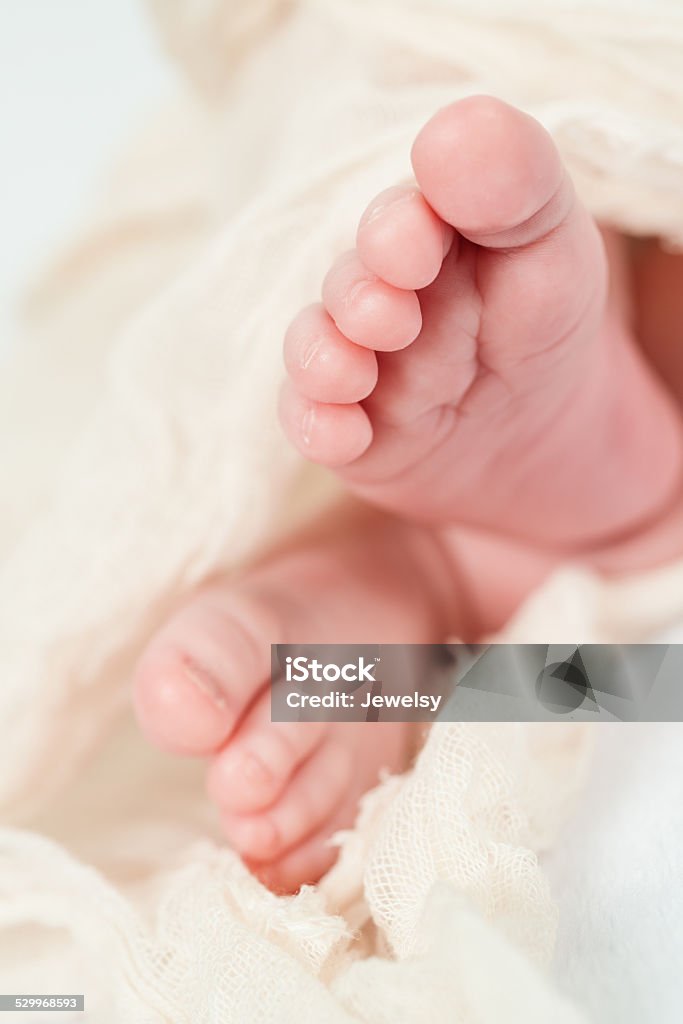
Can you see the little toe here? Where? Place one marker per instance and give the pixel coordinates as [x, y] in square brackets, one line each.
[367, 310]
[304, 864]
[260, 759]
[313, 795]
[201, 671]
[402, 240]
[322, 364]
[332, 435]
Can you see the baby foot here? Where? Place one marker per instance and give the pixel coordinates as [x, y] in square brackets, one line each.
[467, 363]
[202, 688]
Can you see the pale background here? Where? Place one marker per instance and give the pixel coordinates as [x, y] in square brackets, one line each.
[75, 76]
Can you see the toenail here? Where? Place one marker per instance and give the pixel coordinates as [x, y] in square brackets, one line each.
[204, 681]
[380, 208]
[358, 288]
[309, 353]
[255, 771]
[376, 212]
[307, 425]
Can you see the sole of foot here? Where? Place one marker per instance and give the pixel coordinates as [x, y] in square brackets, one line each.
[467, 362]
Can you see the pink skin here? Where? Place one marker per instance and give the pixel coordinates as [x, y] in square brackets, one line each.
[466, 368]
[201, 687]
[482, 414]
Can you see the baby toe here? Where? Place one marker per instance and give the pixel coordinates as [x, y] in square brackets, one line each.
[310, 800]
[178, 703]
[201, 671]
[258, 762]
[322, 364]
[492, 171]
[332, 435]
[402, 240]
[303, 865]
[367, 310]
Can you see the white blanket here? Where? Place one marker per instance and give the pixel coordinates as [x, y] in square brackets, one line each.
[616, 870]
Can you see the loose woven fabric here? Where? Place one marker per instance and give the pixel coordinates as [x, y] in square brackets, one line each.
[140, 453]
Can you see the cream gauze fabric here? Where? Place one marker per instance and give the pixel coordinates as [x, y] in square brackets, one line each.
[140, 452]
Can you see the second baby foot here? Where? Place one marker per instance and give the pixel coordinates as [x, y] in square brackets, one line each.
[469, 363]
[202, 685]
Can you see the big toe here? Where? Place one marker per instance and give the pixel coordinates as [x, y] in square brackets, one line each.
[201, 671]
[490, 170]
